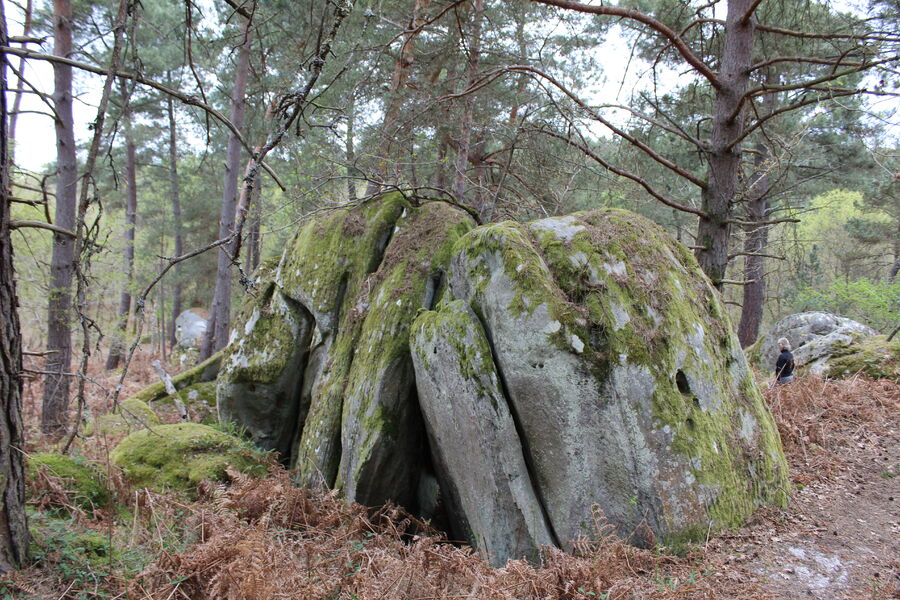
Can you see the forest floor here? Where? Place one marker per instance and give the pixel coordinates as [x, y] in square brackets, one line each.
[838, 539]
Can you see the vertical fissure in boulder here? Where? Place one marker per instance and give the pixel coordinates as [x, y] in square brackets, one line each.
[298, 418]
[520, 432]
[433, 288]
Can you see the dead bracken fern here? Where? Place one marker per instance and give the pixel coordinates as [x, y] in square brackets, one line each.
[817, 417]
[266, 539]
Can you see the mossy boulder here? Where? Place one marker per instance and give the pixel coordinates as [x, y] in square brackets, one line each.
[180, 456]
[814, 338]
[381, 430]
[873, 357]
[258, 384]
[84, 482]
[472, 433]
[581, 361]
[630, 390]
[131, 415]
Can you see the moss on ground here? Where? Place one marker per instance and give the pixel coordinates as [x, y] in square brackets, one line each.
[131, 415]
[873, 357]
[180, 456]
[83, 481]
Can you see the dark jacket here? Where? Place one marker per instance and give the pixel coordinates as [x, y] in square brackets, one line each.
[784, 366]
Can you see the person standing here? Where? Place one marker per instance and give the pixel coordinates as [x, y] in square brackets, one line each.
[784, 366]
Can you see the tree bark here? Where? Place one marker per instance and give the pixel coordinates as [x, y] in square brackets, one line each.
[217, 336]
[724, 162]
[723, 168]
[467, 122]
[118, 345]
[176, 215]
[755, 242]
[54, 417]
[13, 521]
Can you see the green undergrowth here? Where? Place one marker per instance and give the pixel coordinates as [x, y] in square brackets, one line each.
[83, 482]
[132, 414]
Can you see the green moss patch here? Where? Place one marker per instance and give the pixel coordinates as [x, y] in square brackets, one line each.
[83, 482]
[873, 357]
[131, 415]
[181, 456]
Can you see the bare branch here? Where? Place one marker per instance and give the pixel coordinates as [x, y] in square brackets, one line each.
[185, 98]
[749, 14]
[623, 173]
[41, 225]
[654, 24]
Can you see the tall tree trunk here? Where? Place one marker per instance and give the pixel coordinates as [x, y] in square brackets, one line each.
[253, 236]
[176, 215]
[217, 335]
[20, 85]
[54, 417]
[350, 152]
[384, 152]
[755, 241]
[467, 123]
[118, 345]
[724, 163]
[13, 522]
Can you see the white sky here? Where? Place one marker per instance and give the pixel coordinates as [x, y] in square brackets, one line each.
[35, 143]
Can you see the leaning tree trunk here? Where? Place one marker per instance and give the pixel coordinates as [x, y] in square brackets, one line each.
[54, 417]
[176, 216]
[20, 85]
[13, 523]
[724, 157]
[384, 152]
[467, 123]
[217, 333]
[118, 345]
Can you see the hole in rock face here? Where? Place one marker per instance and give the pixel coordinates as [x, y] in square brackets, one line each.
[696, 401]
[690, 424]
[597, 337]
[682, 383]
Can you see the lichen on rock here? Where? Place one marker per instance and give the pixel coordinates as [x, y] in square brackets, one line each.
[630, 387]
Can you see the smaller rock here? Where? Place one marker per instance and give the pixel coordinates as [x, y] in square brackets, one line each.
[190, 327]
[180, 456]
[814, 338]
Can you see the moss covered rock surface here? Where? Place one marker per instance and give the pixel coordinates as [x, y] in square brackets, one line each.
[180, 456]
[872, 357]
[131, 415]
[814, 338]
[586, 358]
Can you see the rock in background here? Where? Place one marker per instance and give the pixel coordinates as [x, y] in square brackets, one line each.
[814, 338]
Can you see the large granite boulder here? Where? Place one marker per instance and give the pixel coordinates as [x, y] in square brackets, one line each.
[509, 380]
[814, 336]
[617, 360]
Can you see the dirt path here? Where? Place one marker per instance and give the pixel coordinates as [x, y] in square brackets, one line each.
[840, 538]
